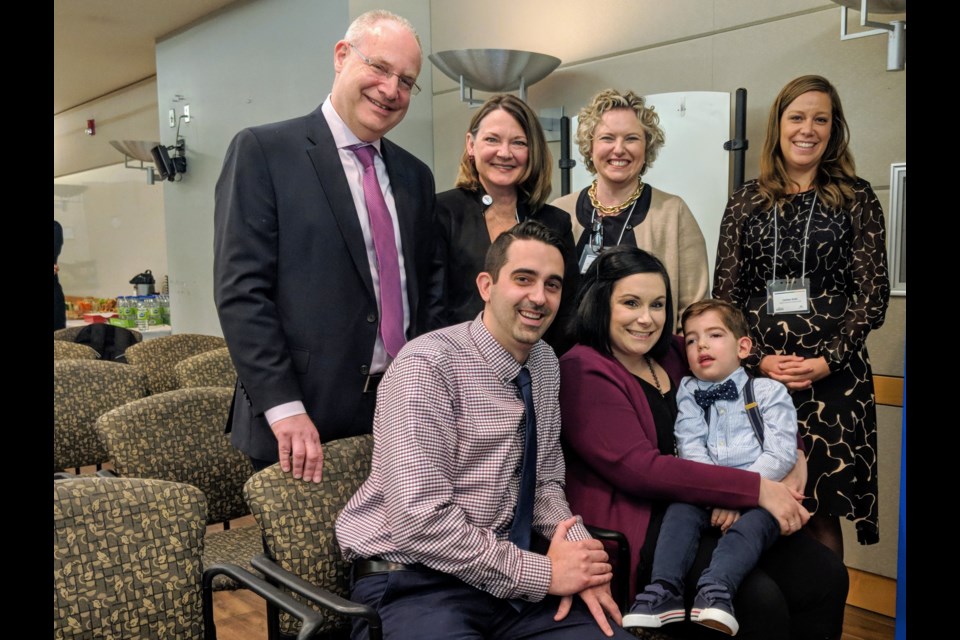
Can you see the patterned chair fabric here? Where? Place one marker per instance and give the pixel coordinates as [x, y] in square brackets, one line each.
[83, 390]
[209, 369]
[68, 334]
[127, 558]
[63, 350]
[178, 436]
[297, 517]
[158, 357]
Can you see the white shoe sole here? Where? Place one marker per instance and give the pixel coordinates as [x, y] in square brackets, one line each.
[716, 619]
[650, 621]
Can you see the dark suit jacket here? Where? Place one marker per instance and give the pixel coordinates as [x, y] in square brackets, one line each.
[292, 281]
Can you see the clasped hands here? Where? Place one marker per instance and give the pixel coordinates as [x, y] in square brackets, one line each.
[795, 372]
[582, 567]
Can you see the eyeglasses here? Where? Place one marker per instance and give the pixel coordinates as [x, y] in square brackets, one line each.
[596, 235]
[404, 84]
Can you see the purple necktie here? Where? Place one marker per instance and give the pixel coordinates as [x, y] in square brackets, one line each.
[388, 263]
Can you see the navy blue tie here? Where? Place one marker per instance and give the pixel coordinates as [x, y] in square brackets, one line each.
[725, 391]
[520, 531]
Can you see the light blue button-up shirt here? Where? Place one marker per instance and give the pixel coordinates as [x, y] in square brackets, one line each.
[729, 439]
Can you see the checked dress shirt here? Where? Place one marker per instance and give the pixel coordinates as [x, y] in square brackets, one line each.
[448, 440]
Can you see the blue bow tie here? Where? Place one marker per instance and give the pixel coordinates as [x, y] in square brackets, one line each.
[725, 391]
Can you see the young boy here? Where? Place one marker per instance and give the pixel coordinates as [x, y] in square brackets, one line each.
[714, 426]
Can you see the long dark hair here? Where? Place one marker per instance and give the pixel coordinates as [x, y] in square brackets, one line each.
[596, 289]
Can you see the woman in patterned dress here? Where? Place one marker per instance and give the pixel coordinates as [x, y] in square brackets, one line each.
[802, 252]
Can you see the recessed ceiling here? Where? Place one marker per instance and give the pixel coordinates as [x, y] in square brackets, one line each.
[100, 46]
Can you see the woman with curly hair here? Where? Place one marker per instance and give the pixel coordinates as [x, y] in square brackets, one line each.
[619, 137]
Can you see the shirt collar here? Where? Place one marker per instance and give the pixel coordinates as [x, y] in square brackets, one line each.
[342, 136]
[739, 378]
[504, 365]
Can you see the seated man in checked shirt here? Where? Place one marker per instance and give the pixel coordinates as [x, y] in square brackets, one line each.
[430, 531]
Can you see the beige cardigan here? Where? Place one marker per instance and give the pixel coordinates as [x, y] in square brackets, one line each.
[671, 233]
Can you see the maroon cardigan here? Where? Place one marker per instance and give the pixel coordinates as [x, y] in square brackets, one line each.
[614, 468]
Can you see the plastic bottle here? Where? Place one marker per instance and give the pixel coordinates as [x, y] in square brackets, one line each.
[129, 313]
[143, 317]
[164, 300]
[154, 313]
[121, 310]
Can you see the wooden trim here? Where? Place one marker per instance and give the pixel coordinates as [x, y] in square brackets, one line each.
[872, 592]
[888, 390]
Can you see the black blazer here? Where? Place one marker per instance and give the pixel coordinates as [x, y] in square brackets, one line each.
[462, 243]
[292, 281]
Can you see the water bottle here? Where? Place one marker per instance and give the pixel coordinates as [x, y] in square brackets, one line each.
[154, 315]
[129, 313]
[164, 300]
[121, 310]
[143, 315]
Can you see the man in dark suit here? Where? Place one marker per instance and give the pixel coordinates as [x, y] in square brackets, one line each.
[321, 253]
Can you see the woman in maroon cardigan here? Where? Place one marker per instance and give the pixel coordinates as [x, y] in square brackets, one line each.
[618, 402]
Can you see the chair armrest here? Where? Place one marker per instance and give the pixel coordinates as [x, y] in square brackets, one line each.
[322, 597]
[311, 619]
[621, 579]
[108, 473]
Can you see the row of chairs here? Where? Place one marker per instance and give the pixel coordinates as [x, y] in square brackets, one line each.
[295, 526]
[128, 563]
[159, 359]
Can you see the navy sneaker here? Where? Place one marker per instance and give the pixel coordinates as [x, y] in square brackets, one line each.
[713, 607]
[655, 607]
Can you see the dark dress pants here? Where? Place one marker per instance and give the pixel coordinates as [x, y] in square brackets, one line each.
[797, 591]
[429, 605]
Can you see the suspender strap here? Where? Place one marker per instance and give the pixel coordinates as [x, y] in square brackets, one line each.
[753, 411]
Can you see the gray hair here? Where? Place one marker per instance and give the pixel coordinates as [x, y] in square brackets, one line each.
[365, 23]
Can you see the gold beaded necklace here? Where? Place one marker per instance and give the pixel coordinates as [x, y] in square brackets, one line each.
[604, 210]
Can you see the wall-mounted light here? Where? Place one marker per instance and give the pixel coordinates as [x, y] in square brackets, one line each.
[896, 30]
[136, 150]
[167, 167]
[493, 70]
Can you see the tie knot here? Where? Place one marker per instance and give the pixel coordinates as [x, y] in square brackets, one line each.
[725, 391]
[523, 378]
[365, 153]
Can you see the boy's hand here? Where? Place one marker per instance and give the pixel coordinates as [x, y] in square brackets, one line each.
[724, 518]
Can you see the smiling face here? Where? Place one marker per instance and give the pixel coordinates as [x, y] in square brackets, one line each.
[713, 351]
[638, 312]
[805, 128]
[371, 105]
[619, 147]
[522, 302]
[500, 151]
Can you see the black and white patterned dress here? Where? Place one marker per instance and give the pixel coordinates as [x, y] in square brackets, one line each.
[849, 291]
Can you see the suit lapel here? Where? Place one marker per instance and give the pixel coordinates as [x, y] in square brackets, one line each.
[326, 162]
[406, 202]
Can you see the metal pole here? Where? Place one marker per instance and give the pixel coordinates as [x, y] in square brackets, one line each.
[566, 163]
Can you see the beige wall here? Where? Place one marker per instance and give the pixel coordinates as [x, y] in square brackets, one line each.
[127, 114]
[652, 46]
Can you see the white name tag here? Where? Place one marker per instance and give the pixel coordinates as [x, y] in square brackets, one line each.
[791, 295]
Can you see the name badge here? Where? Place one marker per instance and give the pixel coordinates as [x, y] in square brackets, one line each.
[790, 295]
[587, 258]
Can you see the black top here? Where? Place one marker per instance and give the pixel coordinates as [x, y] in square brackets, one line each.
[462, 244]
[617, 229]
[57, 240]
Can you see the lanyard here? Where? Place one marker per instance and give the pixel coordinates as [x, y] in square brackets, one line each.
[806, 237]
